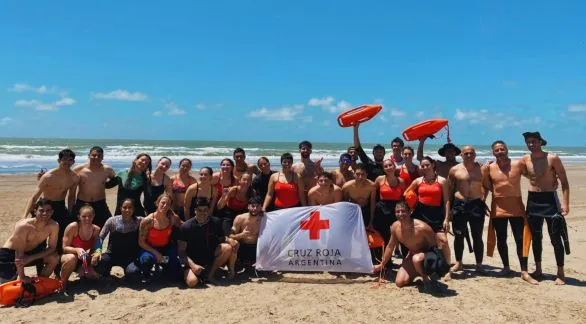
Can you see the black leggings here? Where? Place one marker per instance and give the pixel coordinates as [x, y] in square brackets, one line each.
[464, 212]
[536, 225]
[500, 226]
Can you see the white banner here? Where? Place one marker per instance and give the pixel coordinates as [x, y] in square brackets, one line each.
[317, 238]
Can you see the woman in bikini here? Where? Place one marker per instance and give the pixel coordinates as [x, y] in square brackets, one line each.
[181, 181]
[408, 171]
[78, 245]
[160, 182]
[286, 187]
[203, 188]
[133, 182]
[156, 242]
[225, 178]
[433, 203]
[390, 188]
[234, 201]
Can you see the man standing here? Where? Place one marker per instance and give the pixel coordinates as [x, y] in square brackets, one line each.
[241, 166]
[55, 185]
[28, 245]
[466, 182]
[503, 179]
[397, 146]
[245, 230]
[362, 192]
[325, 192]
[94, 178]
[544, 171]
[306, 168]
[449, 151]
[374, 169]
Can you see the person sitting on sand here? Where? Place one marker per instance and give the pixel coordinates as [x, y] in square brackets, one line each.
[362, 192]
[155, 240]
[325, 191]
[123, 246]
[55, 185]
[419, 238]
[202, 246]
[78, 246]
[245, 230]
[33, 242]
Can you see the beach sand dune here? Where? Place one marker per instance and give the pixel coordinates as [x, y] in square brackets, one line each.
[305, 297]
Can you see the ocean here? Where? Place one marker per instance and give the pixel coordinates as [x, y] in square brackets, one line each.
[29, 155]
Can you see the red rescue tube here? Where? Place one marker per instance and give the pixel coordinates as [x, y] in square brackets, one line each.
[424, 129]
[358, 115]
[11, 291]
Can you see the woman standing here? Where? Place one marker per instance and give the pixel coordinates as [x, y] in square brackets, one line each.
[390, 188]
[160, 182]
[133, 182]
[181, 181]
[408, 171]
[201, 189]
[286, 187]
[225, 178]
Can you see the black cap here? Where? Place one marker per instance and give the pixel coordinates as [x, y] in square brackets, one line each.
[448, 146]
[535, 135]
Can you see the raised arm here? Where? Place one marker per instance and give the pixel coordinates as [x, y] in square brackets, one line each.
[420, 149]
[359, 150]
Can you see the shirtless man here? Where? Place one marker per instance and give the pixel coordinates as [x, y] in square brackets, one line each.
[325, 192]
[343, 173]
[245, 230]
[28, 245]
[449, 151]
[306, 168]
[361, 191]
[468, 207]
[55, 185]
[241, 166]
[544, 170]
[503, 180]
[419, 238]
[94, 178]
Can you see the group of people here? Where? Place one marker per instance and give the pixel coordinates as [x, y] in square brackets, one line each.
[186, 227]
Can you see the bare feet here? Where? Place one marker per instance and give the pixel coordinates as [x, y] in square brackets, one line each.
[561, 279]
[525, 276]
[457, 267]
[447, 277]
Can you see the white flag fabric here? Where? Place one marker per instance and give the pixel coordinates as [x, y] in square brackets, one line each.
[316, 238]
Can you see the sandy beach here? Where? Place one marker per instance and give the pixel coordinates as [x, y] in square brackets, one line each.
[295, 297]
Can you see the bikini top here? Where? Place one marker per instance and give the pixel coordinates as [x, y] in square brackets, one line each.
[390, 193]
[179, 186]
[430, 194]
[237, 204]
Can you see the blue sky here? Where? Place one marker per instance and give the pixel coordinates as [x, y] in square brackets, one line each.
[283, 70]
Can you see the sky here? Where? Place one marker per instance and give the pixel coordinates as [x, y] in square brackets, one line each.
[283, 70]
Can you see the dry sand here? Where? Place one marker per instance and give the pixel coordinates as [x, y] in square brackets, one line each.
[295, 297]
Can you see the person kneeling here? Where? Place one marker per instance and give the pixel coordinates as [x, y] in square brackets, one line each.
[78, 245]
[245, 230]
[28, 245]
[420, 239]
[202, 245]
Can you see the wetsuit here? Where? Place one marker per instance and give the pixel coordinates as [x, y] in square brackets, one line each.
[260, 184]
[202, 239]
[430, 208]
[373, 169]
[503, 210]
[384, 215]
[8, 271]
[123, 246]
[544, 206]
[100, 208]
[151, 195]
[470, 211]
[132, 188]
[160, 240]
[286, 195]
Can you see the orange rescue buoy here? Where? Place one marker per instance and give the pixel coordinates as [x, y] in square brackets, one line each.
[423, 129]
[12, 291]
[358, 115]
[375, 240]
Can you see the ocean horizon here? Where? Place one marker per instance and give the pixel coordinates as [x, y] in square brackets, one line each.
[29, 155]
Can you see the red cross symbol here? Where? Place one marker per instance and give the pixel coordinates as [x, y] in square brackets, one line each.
[314, 225]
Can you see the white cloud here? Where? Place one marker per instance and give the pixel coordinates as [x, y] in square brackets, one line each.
[170, 109]
[397, 113]
[203, 106]
[41, 106]
[286, 113]
[6, 121]
[577, 108]
[120, 94]
[498, 120]
[329, 103]
[23, 87]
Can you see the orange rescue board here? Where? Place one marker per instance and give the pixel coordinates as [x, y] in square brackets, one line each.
[424, 129]
[358, 115]
[374, 239]
[11, 291]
